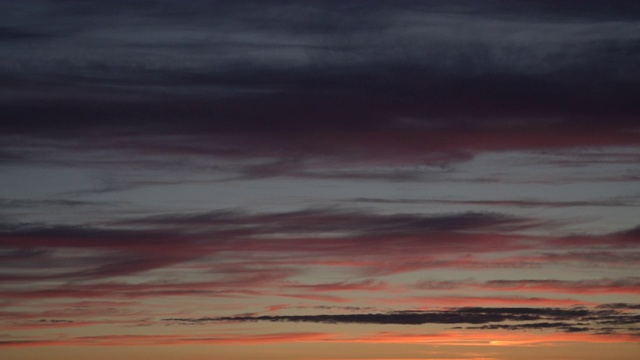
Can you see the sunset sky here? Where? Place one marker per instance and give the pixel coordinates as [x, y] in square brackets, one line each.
[320, 180]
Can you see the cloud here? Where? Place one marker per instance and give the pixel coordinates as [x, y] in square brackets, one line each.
[561, 319]
[341, 221]
[63, 203]
[133, 98]
[315, 297]
[431, 301]
[262, 251]
[420, 82]
[174, 339]
[629, 238]
[110, 252]
[365, 285]
[50, 324]
[505, 203]
[627, 285]
[619, 306]
[559, 326]
[369, 243]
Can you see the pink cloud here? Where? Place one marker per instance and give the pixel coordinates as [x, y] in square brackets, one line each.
[430, 302]
[364, 285]
[628, 285]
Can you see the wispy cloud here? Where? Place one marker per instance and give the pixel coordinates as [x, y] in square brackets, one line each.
[178, 339]
[375, 244]
[502, 203]
[629, 285]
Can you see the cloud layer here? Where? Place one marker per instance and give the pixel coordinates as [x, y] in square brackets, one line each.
[395, 172]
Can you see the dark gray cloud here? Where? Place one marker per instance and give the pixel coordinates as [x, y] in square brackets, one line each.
[558, 326]
[560, 319]
[507, 203]
[353, 224]
[222, 66]
[620, 306]
[62, 203]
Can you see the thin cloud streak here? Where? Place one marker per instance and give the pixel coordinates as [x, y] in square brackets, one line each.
[157, 340]
[501, 203]
[629, 285]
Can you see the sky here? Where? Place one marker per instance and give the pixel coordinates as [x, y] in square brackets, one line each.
[320, 180]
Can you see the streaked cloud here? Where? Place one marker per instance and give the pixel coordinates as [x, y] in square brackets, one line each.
[380, 179]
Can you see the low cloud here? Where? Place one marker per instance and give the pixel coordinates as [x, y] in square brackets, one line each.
[559, 319]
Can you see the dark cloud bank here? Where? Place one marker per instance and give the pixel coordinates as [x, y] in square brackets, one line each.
[159, 67]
